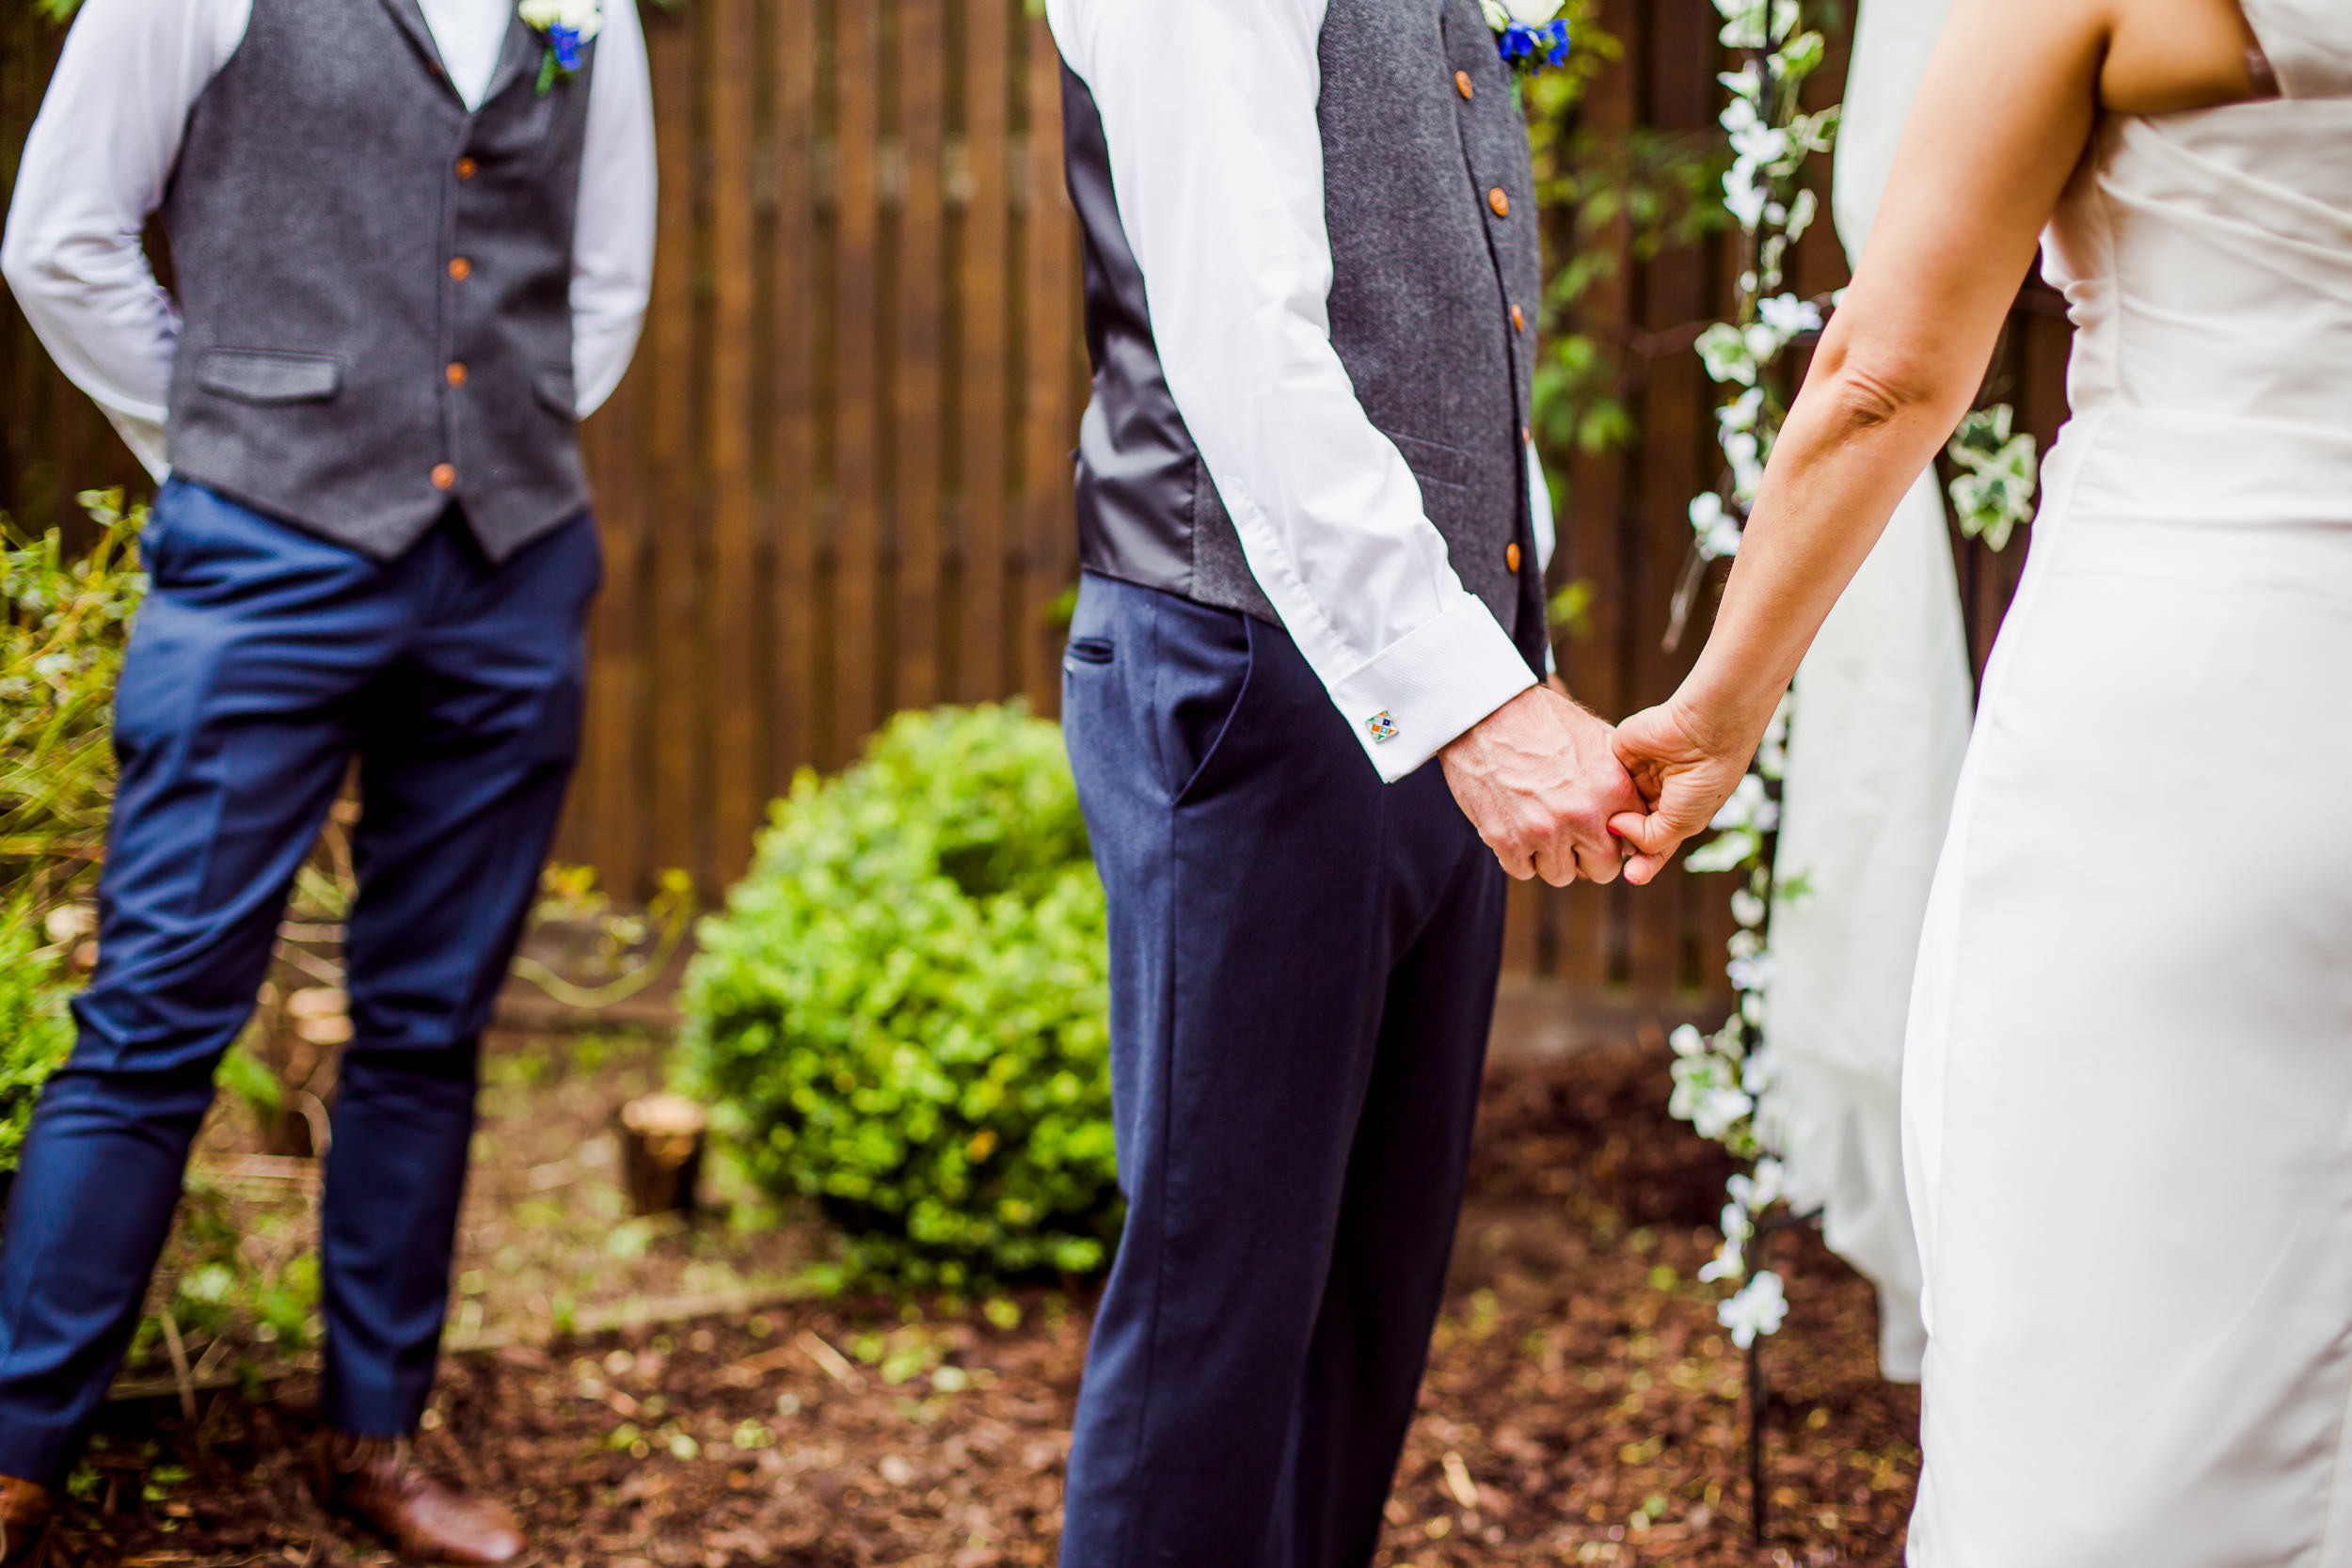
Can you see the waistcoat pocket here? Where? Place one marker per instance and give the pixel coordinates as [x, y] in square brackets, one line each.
[1435, 463]
[266, 377]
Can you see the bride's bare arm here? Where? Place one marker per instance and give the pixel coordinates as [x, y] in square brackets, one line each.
[2001, 122]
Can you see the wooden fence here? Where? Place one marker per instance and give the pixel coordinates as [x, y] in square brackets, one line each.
[836, 481]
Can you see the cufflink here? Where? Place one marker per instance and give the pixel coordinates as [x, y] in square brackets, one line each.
[1381, 725]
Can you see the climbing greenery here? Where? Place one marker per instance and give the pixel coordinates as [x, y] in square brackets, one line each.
[903, 1012]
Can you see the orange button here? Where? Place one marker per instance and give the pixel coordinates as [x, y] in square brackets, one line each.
[1462, 82]
[460, 268]
[456, 373]
[1519, 320]
[444, 475]
[1511, 555]
[1500, 201]
[466, 167]
[1527, 435]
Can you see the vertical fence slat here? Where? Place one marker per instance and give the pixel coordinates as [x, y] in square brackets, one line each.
[679, 509]
[731, 603]
[983, 389]
[790, 349]
[600, 826]
[857, 383]
[1592, 550]
[1679, 57]
[917, 430]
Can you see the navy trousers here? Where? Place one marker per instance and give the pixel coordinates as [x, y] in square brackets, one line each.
[264, 662]
[1303, 965]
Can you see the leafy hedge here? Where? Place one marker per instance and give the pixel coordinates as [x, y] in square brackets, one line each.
[903, 1012]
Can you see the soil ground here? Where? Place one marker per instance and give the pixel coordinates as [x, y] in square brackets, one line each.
[1582, 1406]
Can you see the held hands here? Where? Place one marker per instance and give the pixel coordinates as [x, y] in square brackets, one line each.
[1538, 780]
[1685, 773]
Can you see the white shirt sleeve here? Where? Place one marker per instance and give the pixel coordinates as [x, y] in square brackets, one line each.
[96, 162]
[1547, 532]
[1209, 111]
[613, 233]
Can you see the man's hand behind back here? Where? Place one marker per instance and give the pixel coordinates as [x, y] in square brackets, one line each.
[1539, 779]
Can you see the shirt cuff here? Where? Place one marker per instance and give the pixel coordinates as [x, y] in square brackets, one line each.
[1431, 687]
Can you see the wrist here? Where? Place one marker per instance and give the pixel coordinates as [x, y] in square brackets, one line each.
[1719, 722]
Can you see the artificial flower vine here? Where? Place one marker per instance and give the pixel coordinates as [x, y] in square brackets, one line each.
[1722, 1081]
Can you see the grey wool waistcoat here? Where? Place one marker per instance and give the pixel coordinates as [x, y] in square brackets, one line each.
[1429, 198]
[375, 284]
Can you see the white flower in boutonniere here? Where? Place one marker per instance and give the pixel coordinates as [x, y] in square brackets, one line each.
[1531, 33]
[567, 25]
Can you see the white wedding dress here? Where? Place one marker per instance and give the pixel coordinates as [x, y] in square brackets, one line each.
[2129, 1091]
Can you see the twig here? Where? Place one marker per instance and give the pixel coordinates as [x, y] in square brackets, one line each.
[179, 1364]
[314, 1111]
[831, 1361]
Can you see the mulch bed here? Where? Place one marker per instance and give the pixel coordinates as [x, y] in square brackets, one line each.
[1583, 1405]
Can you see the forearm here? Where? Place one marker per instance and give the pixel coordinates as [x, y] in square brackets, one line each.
[1850, 449]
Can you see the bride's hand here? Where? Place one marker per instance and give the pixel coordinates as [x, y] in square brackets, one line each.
[1684, 771]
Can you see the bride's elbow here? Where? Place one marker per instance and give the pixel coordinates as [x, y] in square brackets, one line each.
[1861, 397]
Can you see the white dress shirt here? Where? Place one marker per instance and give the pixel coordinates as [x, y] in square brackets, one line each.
[1209, 111]
[103, 149]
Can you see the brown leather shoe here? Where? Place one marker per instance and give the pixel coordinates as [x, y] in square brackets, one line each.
[377, 1482]
[25, 1514]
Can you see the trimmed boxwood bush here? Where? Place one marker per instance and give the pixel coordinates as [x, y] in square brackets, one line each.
[903, 1012]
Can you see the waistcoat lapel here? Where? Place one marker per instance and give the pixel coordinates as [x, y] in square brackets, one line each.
[410, 16]
[520, 53]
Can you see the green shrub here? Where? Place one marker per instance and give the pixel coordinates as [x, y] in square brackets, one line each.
[903, 1012]
[36, 1032]
[64, 618]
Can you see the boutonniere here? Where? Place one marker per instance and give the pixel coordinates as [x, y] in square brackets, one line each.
[1531, 33]
[567, 25]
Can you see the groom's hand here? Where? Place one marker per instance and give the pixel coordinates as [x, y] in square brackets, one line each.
[1539, 779]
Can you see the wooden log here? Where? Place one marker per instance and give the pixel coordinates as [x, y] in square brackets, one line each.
[663, 1137]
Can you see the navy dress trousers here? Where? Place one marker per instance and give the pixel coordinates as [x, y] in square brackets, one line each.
[1303, 965]
[263, 663]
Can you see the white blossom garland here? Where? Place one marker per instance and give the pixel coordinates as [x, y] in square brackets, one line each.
[1723, 1081]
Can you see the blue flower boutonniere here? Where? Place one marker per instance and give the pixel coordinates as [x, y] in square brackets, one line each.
[1531, 33]
[567, 25]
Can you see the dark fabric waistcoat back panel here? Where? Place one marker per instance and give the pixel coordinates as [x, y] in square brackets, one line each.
[375, 284]
[1427, 267]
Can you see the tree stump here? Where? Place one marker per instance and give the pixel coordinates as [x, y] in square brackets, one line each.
[662, 1153]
